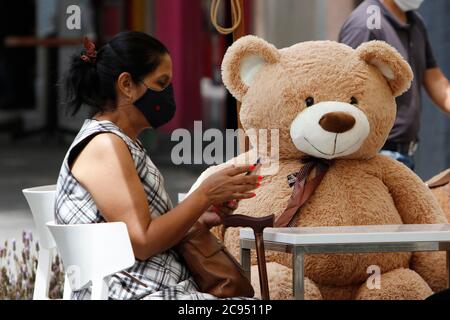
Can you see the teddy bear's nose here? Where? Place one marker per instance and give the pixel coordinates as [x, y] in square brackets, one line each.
[337, 122]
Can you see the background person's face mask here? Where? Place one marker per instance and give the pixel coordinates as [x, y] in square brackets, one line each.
[408, 5]
[158, 107]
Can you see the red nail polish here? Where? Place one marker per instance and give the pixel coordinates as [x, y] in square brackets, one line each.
[260, 178]
[231, 203]
[258, 185]
[254, 195]
[252, 167]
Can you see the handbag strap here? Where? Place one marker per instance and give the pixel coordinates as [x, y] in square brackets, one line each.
[306, 183]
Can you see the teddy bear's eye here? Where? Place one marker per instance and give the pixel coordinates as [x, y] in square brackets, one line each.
[353, 101]
[309, 101]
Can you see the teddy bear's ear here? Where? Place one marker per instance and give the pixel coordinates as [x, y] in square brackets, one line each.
[243, 60]
[390, 63]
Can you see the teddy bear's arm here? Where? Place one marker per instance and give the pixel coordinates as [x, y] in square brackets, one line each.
[417, 205]
[414, 201]
[243, 159]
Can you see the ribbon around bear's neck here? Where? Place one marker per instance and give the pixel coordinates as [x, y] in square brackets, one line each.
[305, 182]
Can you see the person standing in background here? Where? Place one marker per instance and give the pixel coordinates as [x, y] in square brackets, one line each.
[403, 28]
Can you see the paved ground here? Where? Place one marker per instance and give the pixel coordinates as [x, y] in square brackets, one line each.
[36, 161]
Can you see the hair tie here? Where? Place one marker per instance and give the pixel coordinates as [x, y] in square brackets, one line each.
[89, 53]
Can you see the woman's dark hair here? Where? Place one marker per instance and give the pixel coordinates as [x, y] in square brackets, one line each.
[93, 82]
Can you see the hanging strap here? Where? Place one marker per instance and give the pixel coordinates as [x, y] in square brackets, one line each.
[306, 183]
[236, 13]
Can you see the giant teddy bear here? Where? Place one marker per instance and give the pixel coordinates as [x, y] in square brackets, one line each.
[330, 101]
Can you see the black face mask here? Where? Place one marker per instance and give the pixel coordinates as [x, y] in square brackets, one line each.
[158, 107]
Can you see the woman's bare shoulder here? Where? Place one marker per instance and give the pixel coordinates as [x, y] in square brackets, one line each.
[105, 149]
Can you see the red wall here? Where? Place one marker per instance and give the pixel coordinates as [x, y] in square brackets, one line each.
[178, 26]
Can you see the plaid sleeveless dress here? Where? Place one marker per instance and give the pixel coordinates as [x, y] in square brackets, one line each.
[162, 276]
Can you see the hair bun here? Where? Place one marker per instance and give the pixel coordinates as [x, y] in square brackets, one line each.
[89, 54]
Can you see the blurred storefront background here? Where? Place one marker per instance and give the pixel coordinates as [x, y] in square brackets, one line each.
[434, 152]
[197, 49]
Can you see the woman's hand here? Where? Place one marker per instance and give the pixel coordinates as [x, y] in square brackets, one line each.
[215, 215]
[229, 184]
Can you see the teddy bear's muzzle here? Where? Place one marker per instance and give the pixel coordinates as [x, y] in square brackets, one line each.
[330, 130]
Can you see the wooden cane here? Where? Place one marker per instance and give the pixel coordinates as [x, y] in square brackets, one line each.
[258, 225]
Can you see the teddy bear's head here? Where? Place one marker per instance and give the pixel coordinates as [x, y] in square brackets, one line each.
[326, 99]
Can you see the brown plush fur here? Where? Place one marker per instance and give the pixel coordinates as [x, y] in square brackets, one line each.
[442, 194]
[280, 283]
[399, 284]
[361, 189]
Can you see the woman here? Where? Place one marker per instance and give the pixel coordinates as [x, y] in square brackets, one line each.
[107, 175]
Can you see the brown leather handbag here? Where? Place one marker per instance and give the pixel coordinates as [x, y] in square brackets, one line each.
[213, 268]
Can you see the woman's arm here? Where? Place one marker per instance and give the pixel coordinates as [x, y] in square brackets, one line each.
[106, 169]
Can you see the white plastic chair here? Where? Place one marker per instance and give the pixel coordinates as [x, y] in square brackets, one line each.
[41, 201]
[91, 253]
[181, 197]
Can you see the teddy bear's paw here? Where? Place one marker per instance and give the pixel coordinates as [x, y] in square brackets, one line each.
[312, 292]
[432, 267]
[280, 283]
[399, 284]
